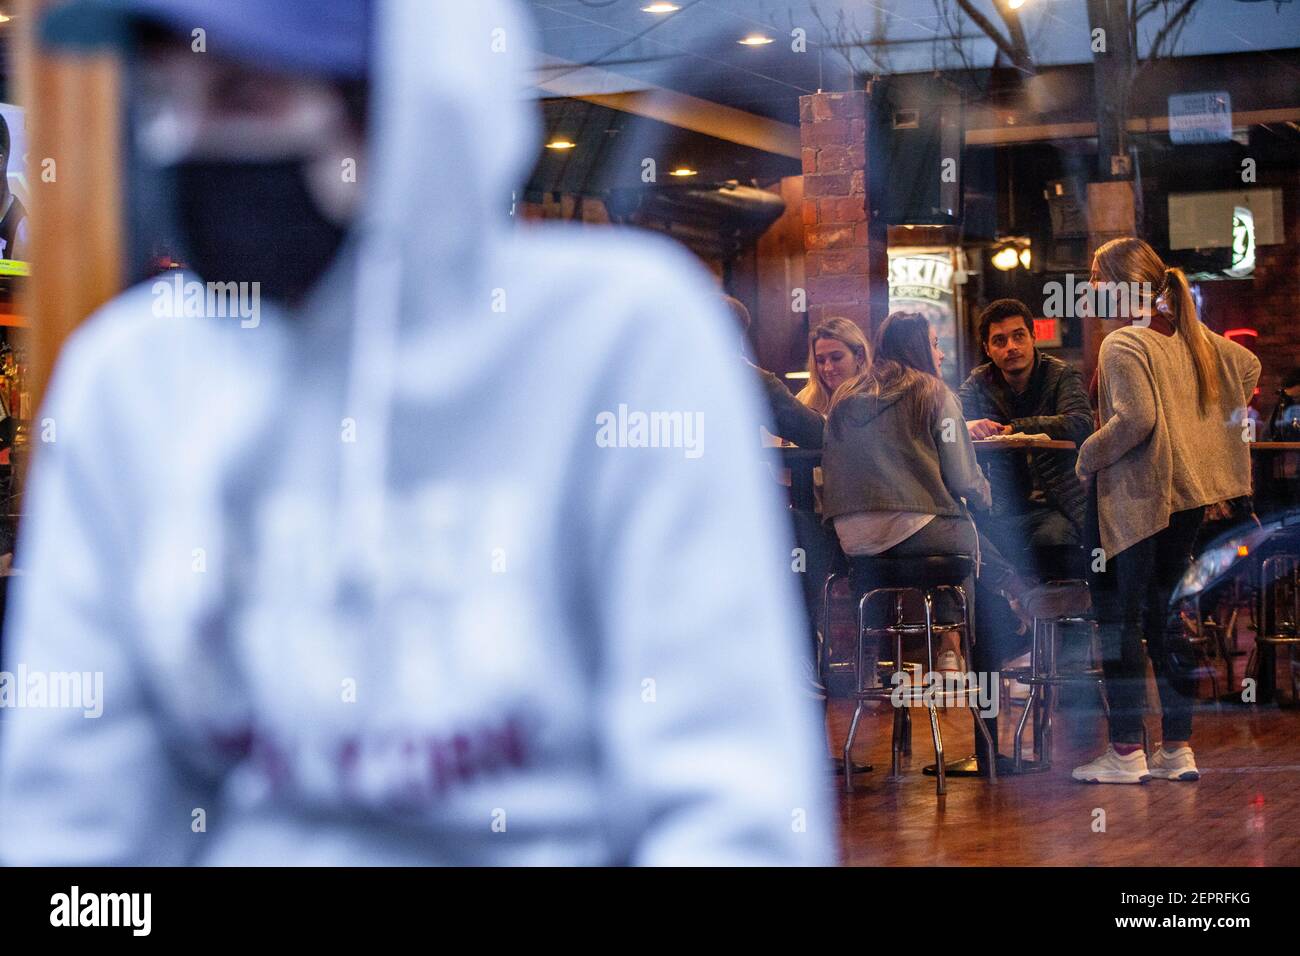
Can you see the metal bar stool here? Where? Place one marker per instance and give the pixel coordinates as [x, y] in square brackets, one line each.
[1278, 575]
[895, 578]
[824, 663]
[1218, 635]
[1043, 676]
[1210, 634]
[828, 667]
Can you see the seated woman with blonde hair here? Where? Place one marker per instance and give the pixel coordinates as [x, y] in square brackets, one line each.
[837, 352]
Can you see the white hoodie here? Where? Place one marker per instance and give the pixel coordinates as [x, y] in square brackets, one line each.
[364, 583]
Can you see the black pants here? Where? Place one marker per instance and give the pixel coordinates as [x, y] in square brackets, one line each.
[1025, 538]
[820, 550]
[1134, 606]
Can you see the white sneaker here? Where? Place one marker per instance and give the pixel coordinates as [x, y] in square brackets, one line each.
[1112, 767]
[1179, 765]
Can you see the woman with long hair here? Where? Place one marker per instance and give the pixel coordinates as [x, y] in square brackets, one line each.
[1172, 399]
[897, 459]
[899, 471]
[837, 352]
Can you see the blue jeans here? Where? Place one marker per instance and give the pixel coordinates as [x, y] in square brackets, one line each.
[1033, 540]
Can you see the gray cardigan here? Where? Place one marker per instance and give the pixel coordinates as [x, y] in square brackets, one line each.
[1155, 453]
[874, 459]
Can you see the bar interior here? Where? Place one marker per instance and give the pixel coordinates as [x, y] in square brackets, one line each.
[836, 164]
[1009, 289]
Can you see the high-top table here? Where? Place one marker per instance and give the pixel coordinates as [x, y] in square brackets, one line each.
[802, 461]
[986, 445]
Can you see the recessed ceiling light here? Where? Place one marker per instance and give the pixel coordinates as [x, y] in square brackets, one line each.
[683, 171]
[4, 18]
[560, 144]
[661, 8]
[755, 39]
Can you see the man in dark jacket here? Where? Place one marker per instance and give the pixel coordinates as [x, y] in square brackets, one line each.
[1038, 503]
[792, 420]
[789, 418]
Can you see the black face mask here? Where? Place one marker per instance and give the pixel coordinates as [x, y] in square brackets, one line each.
[254, 222]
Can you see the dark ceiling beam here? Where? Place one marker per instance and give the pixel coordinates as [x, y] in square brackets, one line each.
[1030, 133]
[594, 85]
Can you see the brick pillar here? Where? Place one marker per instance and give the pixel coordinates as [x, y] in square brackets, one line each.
[845, 260]
[1111, 215]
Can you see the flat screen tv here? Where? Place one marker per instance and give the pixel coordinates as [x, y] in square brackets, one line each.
[1214, 234]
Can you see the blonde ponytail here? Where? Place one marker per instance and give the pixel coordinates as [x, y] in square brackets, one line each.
[1131, 260]
[1182, 315]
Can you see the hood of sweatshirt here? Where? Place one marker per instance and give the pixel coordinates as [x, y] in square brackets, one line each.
[472, 560]
[385, 336]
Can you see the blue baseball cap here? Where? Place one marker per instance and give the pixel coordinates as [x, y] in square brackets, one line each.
[330, 37]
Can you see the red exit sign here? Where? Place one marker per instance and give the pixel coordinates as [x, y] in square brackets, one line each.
[1047, 332]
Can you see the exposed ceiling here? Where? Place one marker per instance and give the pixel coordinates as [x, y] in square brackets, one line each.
[613, 145]
[696, 49]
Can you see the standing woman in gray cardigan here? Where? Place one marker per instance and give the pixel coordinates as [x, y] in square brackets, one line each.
[1172, 396]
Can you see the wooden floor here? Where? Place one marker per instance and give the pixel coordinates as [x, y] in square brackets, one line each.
[1244, 811]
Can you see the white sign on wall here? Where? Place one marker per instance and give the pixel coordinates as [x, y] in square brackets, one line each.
[1200, 117]
[923, 280]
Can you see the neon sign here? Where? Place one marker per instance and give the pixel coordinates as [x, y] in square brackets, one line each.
[1243, 243]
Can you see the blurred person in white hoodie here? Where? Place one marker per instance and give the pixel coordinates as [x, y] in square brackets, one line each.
[383, 571]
